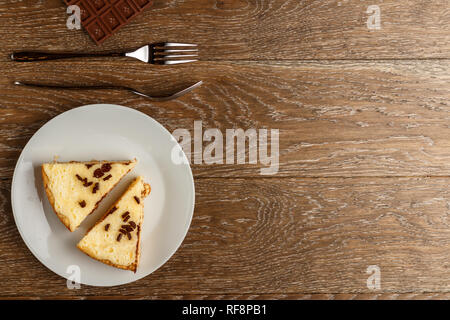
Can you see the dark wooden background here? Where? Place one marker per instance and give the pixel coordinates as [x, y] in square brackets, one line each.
[364, 120]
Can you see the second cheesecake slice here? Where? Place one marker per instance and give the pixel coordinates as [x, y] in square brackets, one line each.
[115, 238]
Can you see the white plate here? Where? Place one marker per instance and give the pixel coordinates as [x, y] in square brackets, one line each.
[104, 132]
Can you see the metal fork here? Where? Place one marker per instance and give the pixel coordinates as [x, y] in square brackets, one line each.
[163, 53]
[152, 98]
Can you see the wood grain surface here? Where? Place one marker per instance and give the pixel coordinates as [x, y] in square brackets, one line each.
[376, 118]
[249, 29]
[364, 145]
[309, 235]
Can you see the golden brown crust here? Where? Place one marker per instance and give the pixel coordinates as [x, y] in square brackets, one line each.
[138, 248]
[147, 190]
[51, 199]
[94, 162]
[131, 267]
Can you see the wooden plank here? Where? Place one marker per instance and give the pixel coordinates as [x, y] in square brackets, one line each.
[231, 297]
[335, 118]
[252, 30]
[279, 237]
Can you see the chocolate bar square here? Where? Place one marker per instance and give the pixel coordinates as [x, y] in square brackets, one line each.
[102, 18]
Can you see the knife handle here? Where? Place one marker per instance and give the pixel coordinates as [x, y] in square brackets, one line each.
[43, 56]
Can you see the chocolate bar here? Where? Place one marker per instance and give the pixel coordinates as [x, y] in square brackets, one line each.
[102, 18]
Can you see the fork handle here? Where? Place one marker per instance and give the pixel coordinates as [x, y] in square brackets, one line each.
[42, 56]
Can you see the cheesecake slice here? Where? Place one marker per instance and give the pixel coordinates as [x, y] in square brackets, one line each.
[115, 238]
[75, 189]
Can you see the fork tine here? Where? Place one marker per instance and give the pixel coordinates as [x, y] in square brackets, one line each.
[174, 44]
[176, 61]
[174, 50]
[170, 56]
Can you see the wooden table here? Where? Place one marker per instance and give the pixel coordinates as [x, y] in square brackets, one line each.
[364, 122]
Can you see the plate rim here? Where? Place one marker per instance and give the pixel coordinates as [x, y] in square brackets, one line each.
[129, 109]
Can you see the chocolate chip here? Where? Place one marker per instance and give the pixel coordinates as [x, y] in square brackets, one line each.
[126, 218]
[112, 210]
[82, 203]
[98, 173]
[84, 180]
[125, 214]
[107, 227]
[96, 187]
[129, 236]
[119, 237]
[137, 199]
[121, 230]
[107, 177]
[89, 165]
[106, 167]
[127, 228]
[132, 224]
